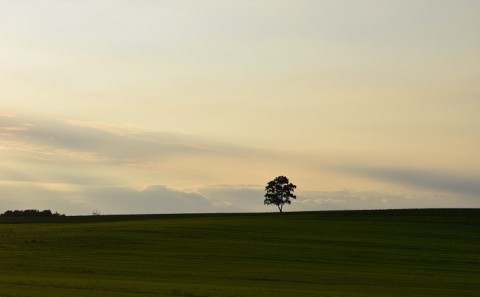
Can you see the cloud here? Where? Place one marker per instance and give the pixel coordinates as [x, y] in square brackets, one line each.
[150, 199]
[64, 198]
[439, 181]
[108, 200]
[127, 155]
[79, 166]
[245, 198]
[75, 200]
[351, 199]
[95, 141]
[38, 139]
[102, 165]
[231, 198]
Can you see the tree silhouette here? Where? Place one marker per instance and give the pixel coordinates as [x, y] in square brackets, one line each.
[279, 191]
[30, 213]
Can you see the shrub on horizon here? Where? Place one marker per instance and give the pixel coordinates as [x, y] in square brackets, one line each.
[30, 213]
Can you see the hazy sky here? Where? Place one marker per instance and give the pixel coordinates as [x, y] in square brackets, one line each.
[193, 106]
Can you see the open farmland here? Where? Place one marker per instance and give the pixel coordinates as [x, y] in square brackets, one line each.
[348, 253]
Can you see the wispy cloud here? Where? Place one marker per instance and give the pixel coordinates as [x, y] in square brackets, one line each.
[434, 180]
[79, 166]
[352, 199]
[103, 164]
[91, 141]
[50, 153]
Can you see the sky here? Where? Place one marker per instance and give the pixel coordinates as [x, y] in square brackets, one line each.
[119, 106]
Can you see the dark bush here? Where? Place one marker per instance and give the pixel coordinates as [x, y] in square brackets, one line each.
[30, 213]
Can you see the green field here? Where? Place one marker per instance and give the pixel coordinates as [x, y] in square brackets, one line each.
[351, 253]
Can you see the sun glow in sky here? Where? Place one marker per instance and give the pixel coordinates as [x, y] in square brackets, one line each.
[193, 106]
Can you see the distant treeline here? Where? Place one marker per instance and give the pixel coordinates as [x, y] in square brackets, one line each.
[30, 213]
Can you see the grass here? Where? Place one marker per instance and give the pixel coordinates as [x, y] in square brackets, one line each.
[351, 253]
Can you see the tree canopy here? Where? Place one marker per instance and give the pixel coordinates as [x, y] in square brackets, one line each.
[279, 192]
[30, 213]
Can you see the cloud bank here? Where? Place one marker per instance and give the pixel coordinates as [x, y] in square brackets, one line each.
[76, 167]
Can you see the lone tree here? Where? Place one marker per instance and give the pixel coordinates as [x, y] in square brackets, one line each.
[279, 191]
